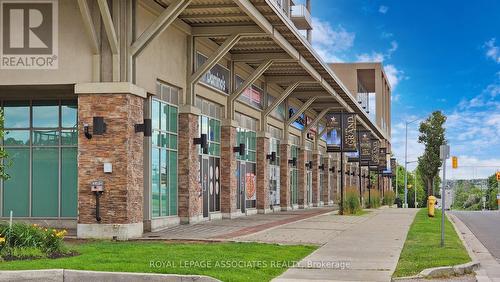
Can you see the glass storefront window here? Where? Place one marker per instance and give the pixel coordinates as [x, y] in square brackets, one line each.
[164, 120]
[41, 139]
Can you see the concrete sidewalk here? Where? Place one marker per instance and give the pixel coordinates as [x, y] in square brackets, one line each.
[365, 248]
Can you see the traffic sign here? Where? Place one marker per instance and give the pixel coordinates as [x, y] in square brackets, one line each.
[498, 175]
[454, 162]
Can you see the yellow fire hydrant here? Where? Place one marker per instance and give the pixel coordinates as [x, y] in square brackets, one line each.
[431, 203]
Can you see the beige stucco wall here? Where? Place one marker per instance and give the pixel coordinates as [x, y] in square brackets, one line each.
[164, 59]
[75, 57]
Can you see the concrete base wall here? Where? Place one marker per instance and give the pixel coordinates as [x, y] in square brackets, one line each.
[108, 231]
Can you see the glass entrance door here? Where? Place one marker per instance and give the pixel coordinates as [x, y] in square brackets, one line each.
[241, 186]
[204, 184]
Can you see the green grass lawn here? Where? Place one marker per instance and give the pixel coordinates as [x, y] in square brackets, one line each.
[256, 262]
[422, 247]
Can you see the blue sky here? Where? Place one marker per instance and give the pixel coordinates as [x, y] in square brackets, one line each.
[438, 55]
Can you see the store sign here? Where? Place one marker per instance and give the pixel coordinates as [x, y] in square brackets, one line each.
[217, 77]
[252, 95]
[382, 159]
[365, 145]
[29, 34]
[375, 152]
[300, 122]
[349, 133]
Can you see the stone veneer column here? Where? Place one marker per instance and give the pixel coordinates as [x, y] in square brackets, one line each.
[302, 182]
[315, 178]
[121, 204]
[228, 170]
[327, 185]
[263, 205]
[285, 175]
[189, 187]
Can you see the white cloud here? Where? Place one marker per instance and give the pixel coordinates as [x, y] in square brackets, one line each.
[378, 56]
[394, 75]
[386, 34]
[329, 42]
[383, 9]
[492, 51]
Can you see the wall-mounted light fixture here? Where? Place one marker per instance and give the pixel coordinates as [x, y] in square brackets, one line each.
[321, 167]
[332, 169]
[309, 136]
[240, 149]
[202, 141]
[271, 157]
[293, 161]
[99, 126]
[144, 127]
[309, 164]
[86, 131]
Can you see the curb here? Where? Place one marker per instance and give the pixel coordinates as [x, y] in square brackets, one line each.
[443, 271]
[69, 275]
[454, 270]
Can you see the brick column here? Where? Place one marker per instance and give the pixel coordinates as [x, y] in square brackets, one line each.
[189, 186]
[263, 205]
[302, 182]
[315, 178]
[121, 204]
[327, 185]
[228, 170]
[284, 175]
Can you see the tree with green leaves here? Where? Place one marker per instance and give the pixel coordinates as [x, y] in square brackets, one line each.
[432, 135]
[4, 162]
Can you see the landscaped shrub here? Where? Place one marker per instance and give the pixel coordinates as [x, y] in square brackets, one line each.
[31, 241]
[389, 198]
[372, 199]
[351, 201]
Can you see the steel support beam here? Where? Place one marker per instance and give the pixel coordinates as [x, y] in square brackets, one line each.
[215, 57]
[290, 79]
[277, 102]
[302, 109]
[247, 83]
[94, 40]
[315, 121]
[222, 30]
[254, 57]
[162, 22]
[109, 27]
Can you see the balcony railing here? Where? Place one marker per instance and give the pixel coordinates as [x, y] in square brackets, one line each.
[301, 17]
[282, 5]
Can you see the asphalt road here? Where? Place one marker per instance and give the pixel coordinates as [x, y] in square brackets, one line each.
[486, 227]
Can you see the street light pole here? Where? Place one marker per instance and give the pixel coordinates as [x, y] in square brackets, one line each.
[406, 161]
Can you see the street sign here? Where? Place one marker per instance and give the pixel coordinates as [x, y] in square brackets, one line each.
[454, 162]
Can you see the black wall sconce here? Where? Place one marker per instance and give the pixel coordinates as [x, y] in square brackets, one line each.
[347, 172]
[309, 164]
[98, 126]
[322, 167]
[239, 149]
[353, 173]
[332, 169]
[202, 141]
[271, 157]
[293, 161]
[145, 127]
[309, 136]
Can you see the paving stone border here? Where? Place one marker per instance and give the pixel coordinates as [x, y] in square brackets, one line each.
[448, 271]
[67, 275]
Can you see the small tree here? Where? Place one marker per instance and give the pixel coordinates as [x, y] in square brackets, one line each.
[4, 162]
[432, 135]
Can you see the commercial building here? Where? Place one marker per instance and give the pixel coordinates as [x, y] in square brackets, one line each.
[128, 116]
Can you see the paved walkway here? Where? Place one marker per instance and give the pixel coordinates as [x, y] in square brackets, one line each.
[363, 248]
[220, 230]
[489, 269]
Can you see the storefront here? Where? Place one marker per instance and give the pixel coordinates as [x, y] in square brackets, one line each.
[41, 142]
[246, 168]
[274, 168]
